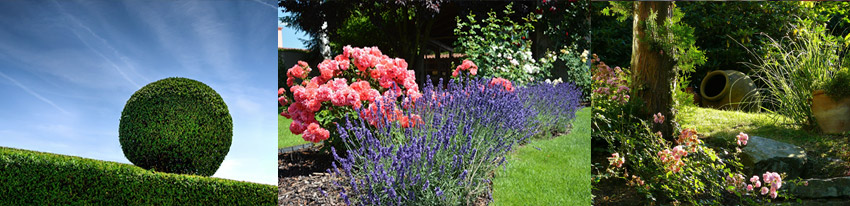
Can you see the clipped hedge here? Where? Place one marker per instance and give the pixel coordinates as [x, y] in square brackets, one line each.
[176, 125]
[37, 178]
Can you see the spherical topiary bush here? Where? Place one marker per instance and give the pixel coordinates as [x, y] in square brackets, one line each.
[176, 125]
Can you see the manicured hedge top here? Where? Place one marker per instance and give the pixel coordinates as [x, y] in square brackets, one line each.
[37, 178]
[176, 125]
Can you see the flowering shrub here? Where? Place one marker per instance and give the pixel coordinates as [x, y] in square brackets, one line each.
[555, 102]
[501, 47]
[610, 85]
[466, 131]
[686, 172]
[772, 183]
[357, 77]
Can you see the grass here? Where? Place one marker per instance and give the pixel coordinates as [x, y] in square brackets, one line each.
[549, 172]
[721, 127]
[36, 178]
[285, 138]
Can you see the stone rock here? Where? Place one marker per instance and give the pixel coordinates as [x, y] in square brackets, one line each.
[837, 187]
[762, 155]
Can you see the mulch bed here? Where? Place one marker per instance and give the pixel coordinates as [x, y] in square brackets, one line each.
[303, 178]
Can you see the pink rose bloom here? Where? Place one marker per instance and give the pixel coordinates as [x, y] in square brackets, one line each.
[327, 68]
[324, 93]
[755, 181]
[658, 118]
[296, 71]
[742, 139]
[616, 160]
[282, 100]
[764, 190]
[296, 127]
[280, 91]
[749, 188]
[315, 133]
[299, 93]
[302, 64]
[773, 193]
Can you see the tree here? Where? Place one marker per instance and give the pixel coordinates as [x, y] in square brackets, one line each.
[399, 28]
[652, 69]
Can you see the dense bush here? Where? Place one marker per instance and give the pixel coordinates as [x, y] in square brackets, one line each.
[682, 170]
[467, 130]
[36, 178]
[176, 125]
[501, 47]
[723, 30]
[354, 79]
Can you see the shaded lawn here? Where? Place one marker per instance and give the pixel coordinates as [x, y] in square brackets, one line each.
[285, 138]
[558, 173]
[722, 126]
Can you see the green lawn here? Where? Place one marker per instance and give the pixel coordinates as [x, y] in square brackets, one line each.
[558, 173]
[721, 127]
[285, 138]
[726, 125]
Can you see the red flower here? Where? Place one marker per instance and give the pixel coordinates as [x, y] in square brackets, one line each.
[503, 82]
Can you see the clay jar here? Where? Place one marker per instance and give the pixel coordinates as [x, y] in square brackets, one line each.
[833, 116]
[727, 89]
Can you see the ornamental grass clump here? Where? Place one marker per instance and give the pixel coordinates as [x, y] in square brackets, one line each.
[449, 158]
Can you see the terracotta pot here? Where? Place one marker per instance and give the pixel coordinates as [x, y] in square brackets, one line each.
[833, 116]
[727, 89]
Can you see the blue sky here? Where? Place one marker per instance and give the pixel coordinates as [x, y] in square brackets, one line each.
[290, 36]
[68, 67]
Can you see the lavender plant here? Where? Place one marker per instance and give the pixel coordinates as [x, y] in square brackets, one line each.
[449, 158]
[556, 104]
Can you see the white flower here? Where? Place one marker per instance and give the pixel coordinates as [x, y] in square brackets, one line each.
[509, 57]
[529, 68]
[514, 61]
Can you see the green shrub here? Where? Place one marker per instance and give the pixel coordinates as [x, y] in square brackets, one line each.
[501, 47]
[36, 178]
[839, 86]
[794, 66]
[176, 125]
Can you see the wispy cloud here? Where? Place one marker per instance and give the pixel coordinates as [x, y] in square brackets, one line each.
[102, 40]
[33, 93]
[266, 3]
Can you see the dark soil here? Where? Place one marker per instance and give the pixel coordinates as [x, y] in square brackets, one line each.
[612, 191]
[303, 178]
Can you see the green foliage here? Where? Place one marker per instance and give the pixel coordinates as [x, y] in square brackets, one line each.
[612, 33]
[577, 70]
[36, 178]
[794, 66]
[675, 37]
[501, 47]
[176, 125]
[838, 87]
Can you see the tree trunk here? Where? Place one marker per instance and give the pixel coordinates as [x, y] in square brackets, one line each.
[652, 69]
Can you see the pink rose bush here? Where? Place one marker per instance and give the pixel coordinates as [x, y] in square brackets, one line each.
[356, 78]
[609, 84]
[772, 183]
[616, 160]
[466, 66]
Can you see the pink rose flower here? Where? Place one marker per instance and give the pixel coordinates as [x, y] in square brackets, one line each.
[742, 139]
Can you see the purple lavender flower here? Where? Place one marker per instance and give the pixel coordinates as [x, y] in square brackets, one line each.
[397, 165]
